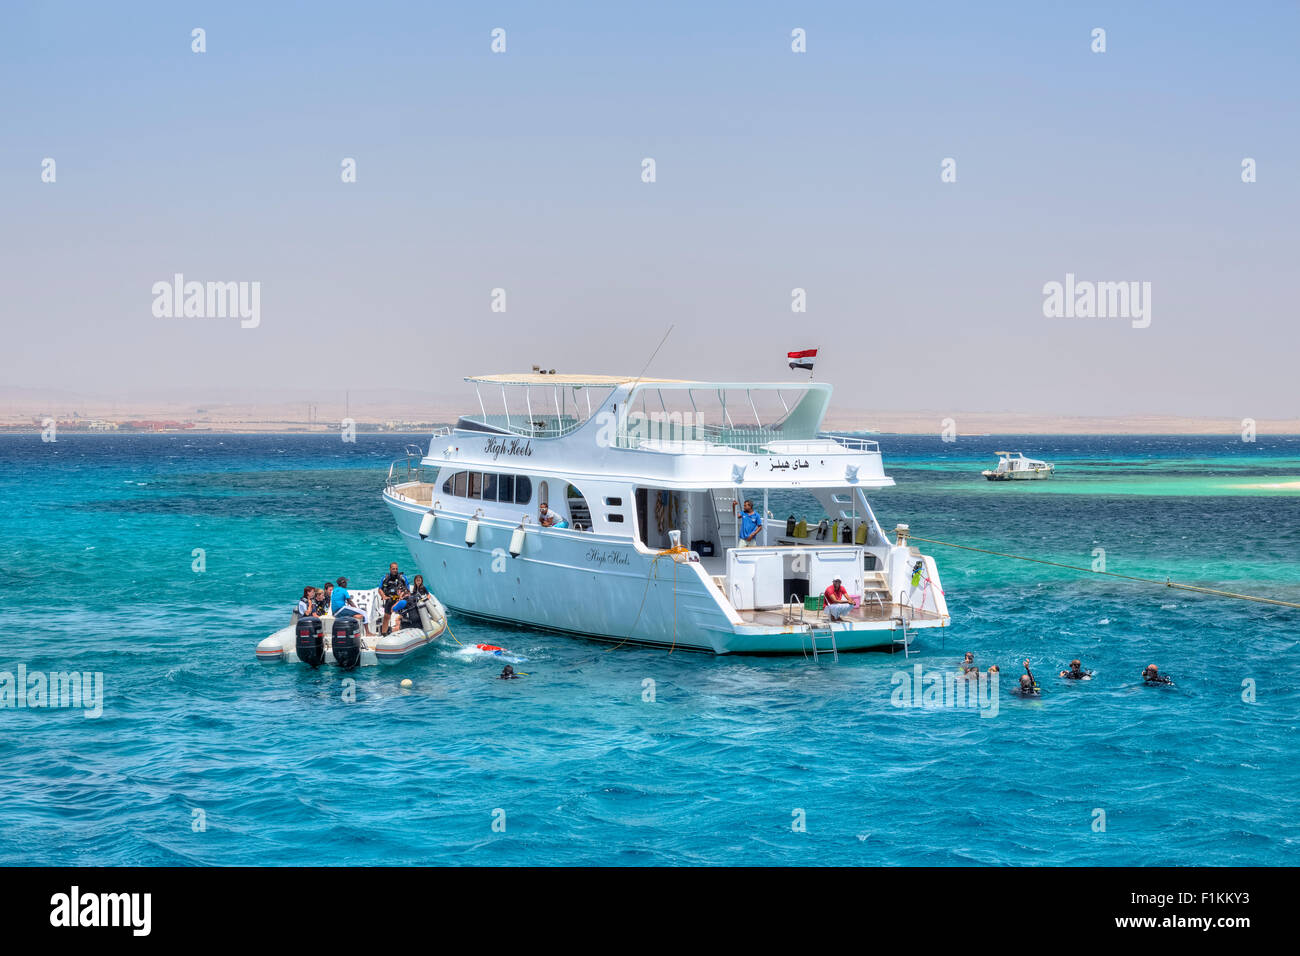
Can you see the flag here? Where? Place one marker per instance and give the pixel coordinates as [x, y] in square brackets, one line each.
[802, 359]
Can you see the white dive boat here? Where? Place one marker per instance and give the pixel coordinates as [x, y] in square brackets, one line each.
[340, 641]
[1014, 466]
[636, 468]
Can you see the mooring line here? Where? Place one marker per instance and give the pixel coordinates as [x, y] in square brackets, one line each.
[1126, 577]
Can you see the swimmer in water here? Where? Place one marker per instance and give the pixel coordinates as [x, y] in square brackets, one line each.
[1151, 675]
[508, 673]
[1028, 686]
[1076, 672]
[968, 664]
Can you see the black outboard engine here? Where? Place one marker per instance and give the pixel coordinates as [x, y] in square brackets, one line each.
[347, 642]
[311, 641]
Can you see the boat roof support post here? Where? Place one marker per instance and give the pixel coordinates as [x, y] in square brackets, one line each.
[505, 404]
[750, 395]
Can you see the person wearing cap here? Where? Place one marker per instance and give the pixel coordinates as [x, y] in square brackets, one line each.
[343, 606]
[838, 602]
[1076, 672]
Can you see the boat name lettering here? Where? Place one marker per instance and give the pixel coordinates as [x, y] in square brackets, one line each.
[514, 447]
[784, 464]
[596, 556]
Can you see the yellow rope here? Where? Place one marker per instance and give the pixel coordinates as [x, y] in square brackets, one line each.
[1127, 577]
[646, 593]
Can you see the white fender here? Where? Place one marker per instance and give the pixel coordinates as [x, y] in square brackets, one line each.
[471, 530]
[426, 524]
[517, 542]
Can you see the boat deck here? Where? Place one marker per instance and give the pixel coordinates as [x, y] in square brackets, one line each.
[870, 613]
[421, 492]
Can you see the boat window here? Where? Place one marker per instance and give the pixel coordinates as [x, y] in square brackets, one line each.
[446, 486]
[459, 484]
[506, 488]
[614, 502]
[475, 485]
[617, 519]
[523, 489]
[490, 487]
[544, 495]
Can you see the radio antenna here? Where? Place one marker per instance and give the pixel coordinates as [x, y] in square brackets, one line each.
[652, 356]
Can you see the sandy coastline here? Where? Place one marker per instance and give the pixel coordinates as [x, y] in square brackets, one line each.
[417, 413]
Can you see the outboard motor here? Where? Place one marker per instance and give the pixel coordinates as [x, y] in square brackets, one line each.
[347, 642]
[311, 641]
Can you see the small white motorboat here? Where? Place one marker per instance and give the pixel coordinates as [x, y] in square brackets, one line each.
[340, 641]
[1014, 466]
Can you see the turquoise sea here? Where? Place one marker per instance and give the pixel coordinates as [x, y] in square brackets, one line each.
[203, 756]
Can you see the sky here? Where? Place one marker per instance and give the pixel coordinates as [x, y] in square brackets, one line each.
[774, 170]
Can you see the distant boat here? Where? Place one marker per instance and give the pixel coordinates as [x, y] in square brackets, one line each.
[1014, 466]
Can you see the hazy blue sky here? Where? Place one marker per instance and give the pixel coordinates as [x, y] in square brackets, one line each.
[775, 170]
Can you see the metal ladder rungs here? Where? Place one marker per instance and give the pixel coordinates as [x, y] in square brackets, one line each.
[817, 634]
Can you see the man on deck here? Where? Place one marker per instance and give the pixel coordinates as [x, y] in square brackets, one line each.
[838, 602]
[751, 523]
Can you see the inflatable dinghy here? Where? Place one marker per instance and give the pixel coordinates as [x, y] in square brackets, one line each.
[342, 642]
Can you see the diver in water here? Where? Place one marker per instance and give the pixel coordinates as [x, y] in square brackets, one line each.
[508, 673]
[1151, 676]
[1028, 687]
[1076, 672]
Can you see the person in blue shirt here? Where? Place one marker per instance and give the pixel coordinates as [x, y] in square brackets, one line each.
[751, 523]
[342, 605]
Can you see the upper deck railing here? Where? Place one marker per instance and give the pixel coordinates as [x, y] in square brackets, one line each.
[714, 441]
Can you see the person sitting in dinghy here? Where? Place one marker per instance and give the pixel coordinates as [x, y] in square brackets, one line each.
[307, 603]
[320, 603]
[394, 588]
[406, 612]
[342, 606]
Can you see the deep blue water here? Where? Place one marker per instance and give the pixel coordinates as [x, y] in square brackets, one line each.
[96, 542]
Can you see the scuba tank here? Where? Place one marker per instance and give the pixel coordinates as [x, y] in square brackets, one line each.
[789, 526]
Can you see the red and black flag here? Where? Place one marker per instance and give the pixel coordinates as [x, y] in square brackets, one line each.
[802, 359]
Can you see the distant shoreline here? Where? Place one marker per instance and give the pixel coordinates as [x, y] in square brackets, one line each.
[333, 433]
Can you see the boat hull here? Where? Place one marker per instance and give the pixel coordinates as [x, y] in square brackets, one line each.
[608, 589]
